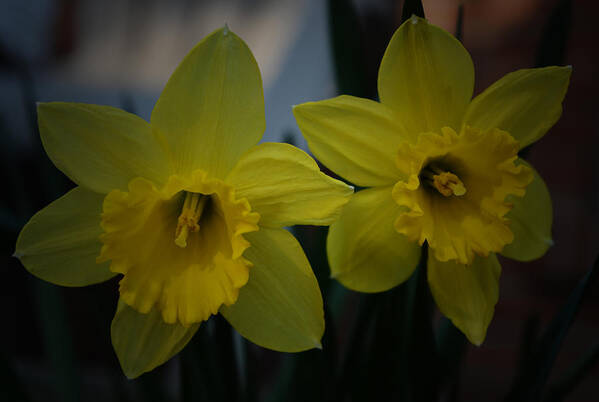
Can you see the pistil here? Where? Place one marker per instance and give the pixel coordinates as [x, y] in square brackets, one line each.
[192, 210]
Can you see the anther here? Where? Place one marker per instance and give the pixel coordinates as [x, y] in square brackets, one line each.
[446, 183]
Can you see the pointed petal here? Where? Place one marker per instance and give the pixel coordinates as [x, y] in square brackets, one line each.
[143, 342]
[60, 243]
[530, 221]
[212, 108]
[466, 294]
[286, 187]
[100, 147]
[356, 138]
[280, 308]
[525, 103]
[365, 252]
[426, 76]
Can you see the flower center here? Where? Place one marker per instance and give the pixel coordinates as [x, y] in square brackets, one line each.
[445, 182]
[458, 222]
[190, 278]
[191, 212]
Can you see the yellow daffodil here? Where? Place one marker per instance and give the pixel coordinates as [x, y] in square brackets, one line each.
[188, 209]
[440, 167]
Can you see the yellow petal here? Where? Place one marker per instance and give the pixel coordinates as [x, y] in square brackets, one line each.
[212, 108]
[143, 342]
[365, 252]
[530, 221]
[280, 308]
[525, 103]
[426, 76]
[466, 294]
[354, 137]
[286, 187]
[60, 243]
[100, 147]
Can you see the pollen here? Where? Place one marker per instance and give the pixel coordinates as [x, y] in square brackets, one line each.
[188, 221]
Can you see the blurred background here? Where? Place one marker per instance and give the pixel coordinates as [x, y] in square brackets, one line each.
[55, 342]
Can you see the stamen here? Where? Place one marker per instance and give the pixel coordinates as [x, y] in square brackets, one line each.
[448, 184]
[444, 182]
[192, 210]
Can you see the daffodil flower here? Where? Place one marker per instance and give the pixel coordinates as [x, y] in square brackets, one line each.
[188, 209]
[439, 167]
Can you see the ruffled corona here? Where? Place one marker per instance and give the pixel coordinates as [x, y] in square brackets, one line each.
[180, 247]
[454, 195]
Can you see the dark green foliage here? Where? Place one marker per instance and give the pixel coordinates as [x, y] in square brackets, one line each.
[532, 377]
[347, 48]
[412, 7]
[552, 48]
[574, 376]
[419, 353]
[459, 26]
[57, 339]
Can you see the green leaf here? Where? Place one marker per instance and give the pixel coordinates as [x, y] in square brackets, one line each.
[531, 379]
